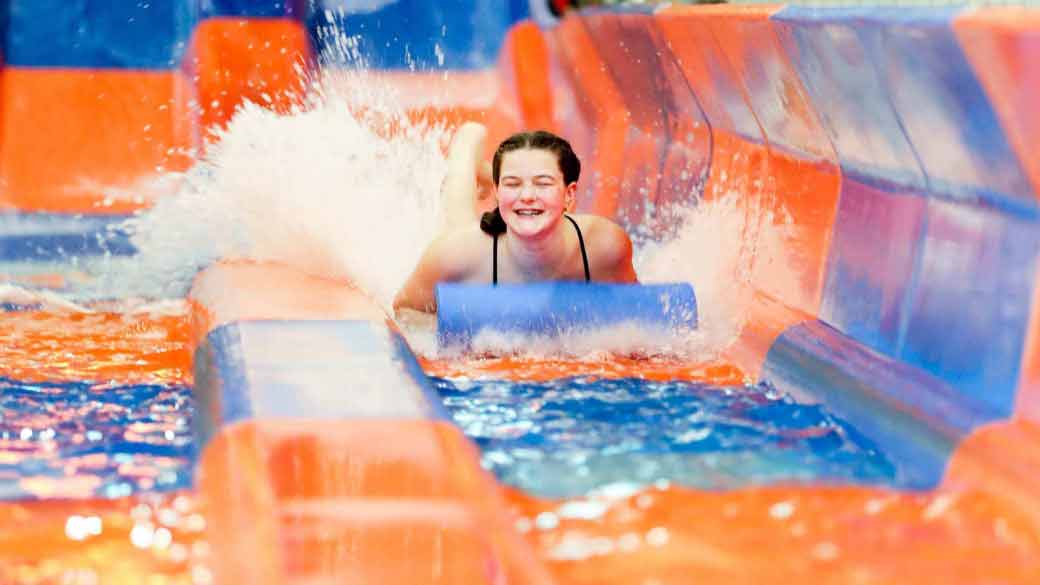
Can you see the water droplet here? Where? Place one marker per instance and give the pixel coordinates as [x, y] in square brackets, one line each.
[76, 528]
[826, 551]
[628, 542]
[142, 535]
[657, 536]
[781, 510]
[546, 521]
[162, 538]
[694, 435]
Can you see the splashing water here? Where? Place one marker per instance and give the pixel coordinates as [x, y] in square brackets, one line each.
[78, 439]
[708, 251]
[347, 188]
[320, 190]
[716, 250]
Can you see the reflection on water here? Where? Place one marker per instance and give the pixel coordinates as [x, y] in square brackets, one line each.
[157, 539]
[568, 437]
[79, 439]
[96, 411]
[95, 403]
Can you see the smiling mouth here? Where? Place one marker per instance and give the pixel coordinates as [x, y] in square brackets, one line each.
[528, 212]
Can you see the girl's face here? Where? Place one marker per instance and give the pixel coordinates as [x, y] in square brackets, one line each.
[532, 196]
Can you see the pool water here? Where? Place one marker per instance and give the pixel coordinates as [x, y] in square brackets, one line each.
[572, 436]
[83, 439]
[95, 404]
[96, 448]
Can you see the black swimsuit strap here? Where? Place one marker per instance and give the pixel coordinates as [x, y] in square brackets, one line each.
[494, 261]
[581, 243]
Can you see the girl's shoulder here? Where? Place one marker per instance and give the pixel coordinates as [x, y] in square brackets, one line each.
[461, 251]
[599, 229]
[607, 242]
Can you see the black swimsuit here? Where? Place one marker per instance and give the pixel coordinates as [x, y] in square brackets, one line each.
[581, 242]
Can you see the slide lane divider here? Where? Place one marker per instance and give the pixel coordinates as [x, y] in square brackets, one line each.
[914, 418]
[319, 434]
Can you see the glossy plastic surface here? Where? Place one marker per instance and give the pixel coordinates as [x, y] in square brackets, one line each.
[548, 309]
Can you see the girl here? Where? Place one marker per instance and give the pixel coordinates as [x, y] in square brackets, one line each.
[529, 236]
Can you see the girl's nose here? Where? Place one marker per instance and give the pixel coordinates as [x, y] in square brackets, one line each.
[527, 192]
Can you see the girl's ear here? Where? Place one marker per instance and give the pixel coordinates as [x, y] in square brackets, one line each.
[571, 197]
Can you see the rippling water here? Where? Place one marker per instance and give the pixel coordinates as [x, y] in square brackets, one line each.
[78, 439]
[571, 436]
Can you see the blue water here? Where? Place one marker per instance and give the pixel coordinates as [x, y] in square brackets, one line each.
[78, 439]
[570, 437]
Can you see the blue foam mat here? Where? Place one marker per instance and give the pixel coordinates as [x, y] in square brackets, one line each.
[554, 307]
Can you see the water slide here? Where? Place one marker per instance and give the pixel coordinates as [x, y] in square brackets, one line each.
[851, 191]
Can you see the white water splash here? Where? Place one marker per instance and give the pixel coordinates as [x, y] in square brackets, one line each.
[348, 188]
[716, 249]
[13, 294]
[708, 253]
[344, 189]
[323, 192]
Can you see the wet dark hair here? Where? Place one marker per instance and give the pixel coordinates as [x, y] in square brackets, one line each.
[491, 222]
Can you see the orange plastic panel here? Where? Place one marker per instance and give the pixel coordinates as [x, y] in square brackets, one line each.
[364, 458]
[527, 49]
[597, 123]
[91, 141]
[712, 78]
[378, 500]
[386, 541]
[1001, 458]
[799, 197]
[787, 191]
[738, 166]
[265, 61]
[735, 165]
[799, 207]
[227, 292]
[401, 501]
[1003, 46]
[233, 480]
